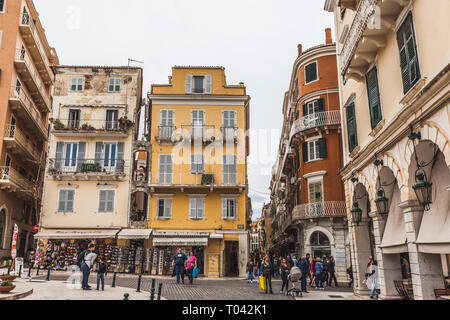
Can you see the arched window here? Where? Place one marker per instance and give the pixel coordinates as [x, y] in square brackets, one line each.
[319, 239]
[2, 226]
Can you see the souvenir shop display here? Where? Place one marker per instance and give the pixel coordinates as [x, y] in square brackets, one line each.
[148, 260]
[139, 259]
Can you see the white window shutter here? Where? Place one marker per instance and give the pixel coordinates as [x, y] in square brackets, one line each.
[192, 213]
[200, 208]
[224, 208]
[70, 196]
[61, 204]
[168, 208]
[208, 88]
[189, 84]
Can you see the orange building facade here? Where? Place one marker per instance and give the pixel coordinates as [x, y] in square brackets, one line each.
[308, 200]
[26, 82]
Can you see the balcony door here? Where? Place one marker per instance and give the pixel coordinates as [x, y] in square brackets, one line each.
[167, 122]
[315, 190]
[229, 124]
[110, 156]
[112, 119]
[74, 119]
[71, 156]
[198, 122]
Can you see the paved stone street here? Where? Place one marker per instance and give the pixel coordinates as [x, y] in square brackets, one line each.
[212, 289]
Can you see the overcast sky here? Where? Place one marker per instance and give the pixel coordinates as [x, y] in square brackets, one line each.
[255, 40]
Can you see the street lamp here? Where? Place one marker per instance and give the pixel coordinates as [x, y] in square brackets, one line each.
[356, 213]
[381, 201]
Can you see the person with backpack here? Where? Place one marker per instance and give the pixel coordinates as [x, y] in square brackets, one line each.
[86, 259]
[318, 273]
[102, 269]
[191, 263]
[178, 261]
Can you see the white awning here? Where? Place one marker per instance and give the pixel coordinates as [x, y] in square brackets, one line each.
[394, 237]
[175, 241]
[134, 234]
[77, 234]
[216, 236]
[434, 232]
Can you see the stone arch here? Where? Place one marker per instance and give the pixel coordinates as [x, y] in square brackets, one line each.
[323, 230]
[366, 182]
[7, 221]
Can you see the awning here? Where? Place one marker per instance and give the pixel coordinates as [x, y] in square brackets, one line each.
[134, 234]
[394, 237]
[180, 239]
[216, 236]
[77, 234]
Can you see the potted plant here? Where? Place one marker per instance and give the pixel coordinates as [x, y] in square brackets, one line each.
[7, 277]
[6, 287]
[58, 125]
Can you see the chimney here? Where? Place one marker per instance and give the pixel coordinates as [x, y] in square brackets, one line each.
[328, 38]
[300, 50]
[170, 79]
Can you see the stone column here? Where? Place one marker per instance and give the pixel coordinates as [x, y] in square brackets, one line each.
[243, 253]
[360, 255]
[339, 251]
[426, 269]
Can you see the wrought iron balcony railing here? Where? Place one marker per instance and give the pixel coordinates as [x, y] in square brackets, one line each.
[319, 210]
[9, 175]
[318, 119]
[12, 132]
[166, 133]
[86, 166]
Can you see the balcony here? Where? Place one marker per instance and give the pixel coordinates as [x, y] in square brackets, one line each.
[98, 128]
[34, 45]
[12, 181]
[17, 142]
[25, 109]
[325, 209]
[314, 121]
[28, 73]
[198, 133]
[187, 180]
[166, 134]
[88, 169]
[373, 20]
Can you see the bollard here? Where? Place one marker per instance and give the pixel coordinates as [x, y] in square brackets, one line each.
[20, 271]
[125, 296]
[139, 283]
[48, 274]
[152, 291]
[159, 291]
[114, 281]
[9, 269]
[37, 272]
[29, 270]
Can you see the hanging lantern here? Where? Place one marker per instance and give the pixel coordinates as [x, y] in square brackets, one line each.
[356, 213]
[382, 202]
[423, 189]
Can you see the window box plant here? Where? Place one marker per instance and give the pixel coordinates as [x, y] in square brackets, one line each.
[6, 287]
[58, 125]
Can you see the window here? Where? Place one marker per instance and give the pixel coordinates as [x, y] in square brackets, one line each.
[2, 226]
[65, 203]
[312, 107]
[2, 9]
[198, 123]
[112, 117]
[229, 208]
[343, 13]
[319, 239]
[167, 121]
[196, 208]
[74, 119]
[165, 169]
[311, 72]
[109, 156]
[197, 163]
[164, 209]
[409, 63]
[229, 124]
[199, 84]
[314, 150]
[114, 84]
[70, 158]
[229, 169]
[77, 84]
[106, 201]
[315, 192]
[351, 127]
[374, 97]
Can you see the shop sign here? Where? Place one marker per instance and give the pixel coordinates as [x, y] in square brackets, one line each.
[241, 226]
[36, 228]
[14, 242]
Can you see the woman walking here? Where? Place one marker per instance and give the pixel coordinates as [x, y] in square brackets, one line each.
[284, 268]
[266, 270]
[372, 276]
[191, 263]
[250, 267]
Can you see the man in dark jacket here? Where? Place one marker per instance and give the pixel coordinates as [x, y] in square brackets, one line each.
[303, 264]
[331, 270]
[178, 261]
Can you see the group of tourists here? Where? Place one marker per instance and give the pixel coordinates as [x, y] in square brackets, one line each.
[86, 260]
[183, 264]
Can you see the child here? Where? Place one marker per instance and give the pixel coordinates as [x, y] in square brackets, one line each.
[250, 267]
[101, 272]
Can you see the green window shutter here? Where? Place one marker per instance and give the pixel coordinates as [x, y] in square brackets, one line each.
[322, 148]
[409, 63]
[311, 72]
[351, 127]
[321, 103]
[374, 97]
[305, 152]
[305, 109]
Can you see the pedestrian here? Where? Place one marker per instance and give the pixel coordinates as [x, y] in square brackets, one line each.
[290, 261]
[309, 269]
[191, 263]
[260, 262]
[318, 273]
[102, 269]
[276, 265]
[303, 264]
[87, 257]
[266, 271]
[332, 271]
[284, 268]
[178, 261]
[350, 275]
[312, 268]
[372, 276]
[325, 271]
[294, 259]
[250, 267]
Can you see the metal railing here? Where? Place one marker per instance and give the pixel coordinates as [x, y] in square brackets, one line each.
[138, 216]
[12, 131]
[80, 125]
[199, 178]
[319, 210]
[199, 132]
[317, 119]
[11, 175]
[33, 111]
[25, 19]
[165, 133]
[22, 55]
[86, 166]
[229, 133]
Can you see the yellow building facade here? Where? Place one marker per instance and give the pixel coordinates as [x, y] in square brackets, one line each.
[198, 184]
